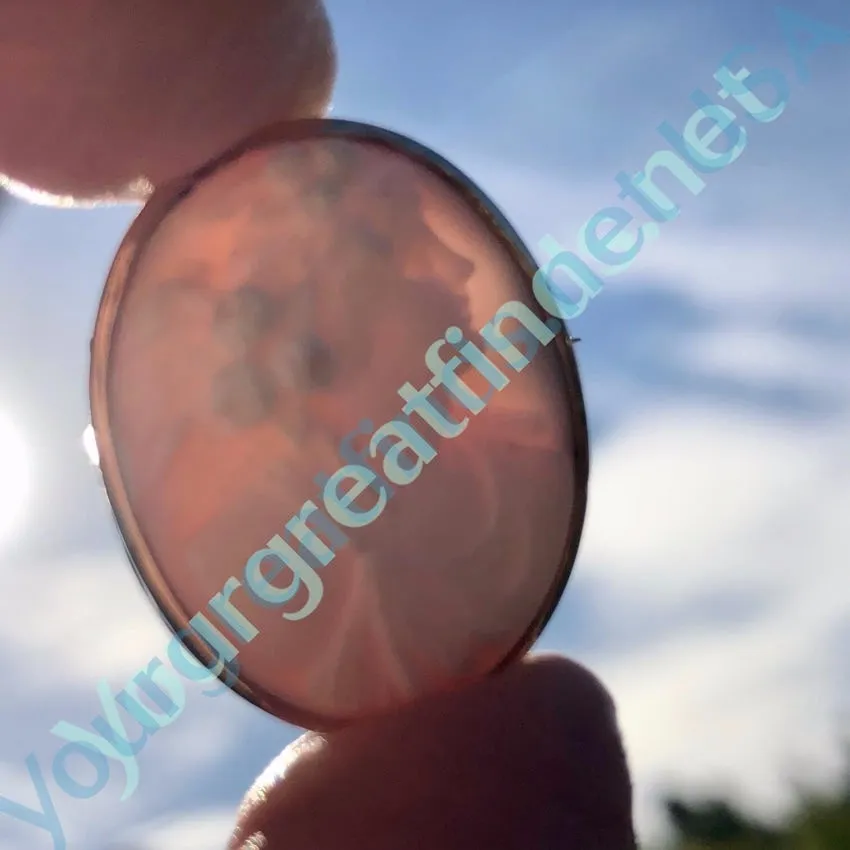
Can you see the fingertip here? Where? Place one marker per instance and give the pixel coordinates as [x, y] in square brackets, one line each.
[530, 757]
[104, 107]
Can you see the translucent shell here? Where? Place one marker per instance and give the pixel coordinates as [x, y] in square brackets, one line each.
[308, 439]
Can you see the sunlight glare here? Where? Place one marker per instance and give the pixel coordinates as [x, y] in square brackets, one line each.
[90, 446]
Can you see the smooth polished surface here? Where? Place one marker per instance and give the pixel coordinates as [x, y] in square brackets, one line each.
[280, 303]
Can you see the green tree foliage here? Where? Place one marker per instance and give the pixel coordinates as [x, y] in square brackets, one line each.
[820, 822]
[718, 825]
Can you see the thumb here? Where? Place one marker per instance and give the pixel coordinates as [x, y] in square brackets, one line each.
[527, 760]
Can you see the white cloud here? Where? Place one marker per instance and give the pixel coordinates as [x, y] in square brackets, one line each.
[204, 829]
[759, 356]
[764, 270]
[704, 489]
[698, 502]
[94, 622]
[690, 503]
[747, 710]
[100, 623]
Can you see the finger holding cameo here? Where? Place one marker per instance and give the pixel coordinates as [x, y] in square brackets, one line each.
[105, 100]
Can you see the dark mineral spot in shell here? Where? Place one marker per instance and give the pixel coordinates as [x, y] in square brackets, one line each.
[319, 364]
[244, 315]
[243, 394]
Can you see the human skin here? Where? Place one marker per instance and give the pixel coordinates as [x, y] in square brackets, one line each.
[97, 95]
[528, 760]
[104, 99]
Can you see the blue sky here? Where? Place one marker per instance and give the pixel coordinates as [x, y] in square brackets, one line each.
[711, 592]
